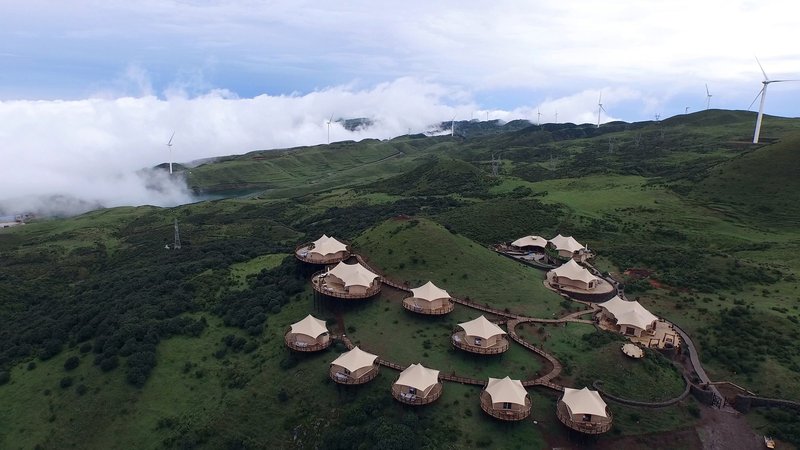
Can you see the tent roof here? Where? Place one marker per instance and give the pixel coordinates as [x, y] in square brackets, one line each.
[584, 401]
[353, 274]
[310, 326]
[355, 359]
[481, 327]
[530, 241]
[574, 271]
[632, 350]
[629, 313]
[418, 377]
[429, 292]
[327, 246]
[566, 243]
[506, 390]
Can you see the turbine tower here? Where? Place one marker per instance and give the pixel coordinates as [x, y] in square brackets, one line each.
[169, 145]
[763, 94]
[600, 108]
[177, 243]
[453, 126]
[329, 128]
[538, 117]
[708, 98]
[556, 116]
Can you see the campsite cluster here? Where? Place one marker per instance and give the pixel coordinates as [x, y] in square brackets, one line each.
[583, 410]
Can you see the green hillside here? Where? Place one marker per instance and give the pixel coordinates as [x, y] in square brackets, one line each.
[110, 340]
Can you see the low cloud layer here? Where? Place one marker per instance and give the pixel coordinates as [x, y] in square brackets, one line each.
[94, 151]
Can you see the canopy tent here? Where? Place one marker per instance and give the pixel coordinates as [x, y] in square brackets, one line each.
[353, 274]
[355, 359]
[429, 292]
[567, 243]
[629, 313]
[506, 390]
[584, 401]
[310, 326]
[574, 271]
[327, 245]
[481, 327]
[418, 377]
[530, 241]
[632, 350]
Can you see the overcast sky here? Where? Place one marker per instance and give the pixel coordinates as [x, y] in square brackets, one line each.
[90, 90]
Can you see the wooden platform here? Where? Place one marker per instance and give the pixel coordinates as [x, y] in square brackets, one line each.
[458, 340]
[416, 400]
[504, 414]
[408, 303]
[319, 285]
[584, 427]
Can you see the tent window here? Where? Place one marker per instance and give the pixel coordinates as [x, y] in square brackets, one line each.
[629, 330]
[506, 405]
[346, 372]
[477, 341]
[587, 417]
[412, 391]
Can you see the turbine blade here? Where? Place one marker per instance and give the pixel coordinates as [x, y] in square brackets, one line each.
[170, 138]
[707, 93]
[754, 100]
[762, 69]
[781, 81]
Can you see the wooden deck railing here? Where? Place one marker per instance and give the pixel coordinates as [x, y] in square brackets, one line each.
[343, 378]
[417, 400]
[305, 347]
[504, 414]
[459, 341]
[602, 426]
[302, 250]
[318, 283]
[409, 304]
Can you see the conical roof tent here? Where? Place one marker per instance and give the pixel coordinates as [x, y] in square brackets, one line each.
[504, 390]
[355, 359]
[481, 327]
[574, 271]
[429, 292]
[327, 245]
[567, 243]
[530, 241]
[584, 401]
[310, 326]
[418, 377]
[629, 312]
[353, 274]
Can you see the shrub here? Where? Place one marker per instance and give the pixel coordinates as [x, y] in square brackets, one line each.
[65, 382]
[81, 389]
[71, 363]
[5, 377]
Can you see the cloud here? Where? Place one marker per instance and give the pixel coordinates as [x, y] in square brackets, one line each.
[92, 149]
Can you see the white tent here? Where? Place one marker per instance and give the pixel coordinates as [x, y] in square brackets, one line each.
[310, 326]
[418, 377]
[481, 327]
[355, 359]
[567, 243]
[530, 241]
[326, 245]
[584, 401]
[353, 274]
[629, 313]
[574, 271]
[506, 390]
[429, 292]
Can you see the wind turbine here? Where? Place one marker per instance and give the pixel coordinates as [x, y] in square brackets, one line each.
[329, 128]
[763, 94]
[538, 118]
[600, 108]
[169, 145]
[708, 98]
[453, 126]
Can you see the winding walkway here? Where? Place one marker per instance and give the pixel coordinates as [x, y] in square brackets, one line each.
[512, 320]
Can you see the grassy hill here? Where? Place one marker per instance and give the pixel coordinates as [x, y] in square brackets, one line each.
[108, 340]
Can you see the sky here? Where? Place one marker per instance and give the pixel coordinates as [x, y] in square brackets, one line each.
[91, 90]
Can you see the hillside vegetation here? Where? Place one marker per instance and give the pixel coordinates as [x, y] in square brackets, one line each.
[110, 340]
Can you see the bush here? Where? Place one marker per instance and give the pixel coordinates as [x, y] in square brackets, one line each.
[5, 377]
[109, 364]
[65, 382]
[71, 363]
[81, 389]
